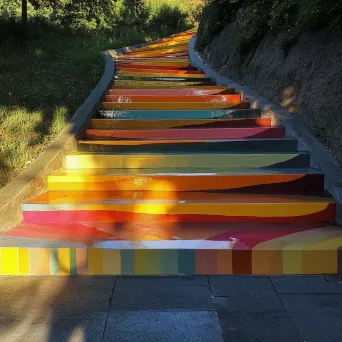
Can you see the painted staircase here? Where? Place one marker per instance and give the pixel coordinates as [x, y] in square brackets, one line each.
[177, 175]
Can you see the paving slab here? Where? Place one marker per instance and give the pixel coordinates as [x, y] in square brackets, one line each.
[318, 317]
[162, 298]
[54, 308]
[255, 317]
[235, 285]
[89, 330]
[147, 326]
[305, 284]
[163, 281]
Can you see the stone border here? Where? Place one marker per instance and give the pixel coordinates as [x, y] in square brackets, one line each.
[321, 159]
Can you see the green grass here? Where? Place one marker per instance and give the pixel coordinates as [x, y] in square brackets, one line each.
[48, 69]
[44, 81]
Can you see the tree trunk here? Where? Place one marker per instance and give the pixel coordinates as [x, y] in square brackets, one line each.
[24, 12]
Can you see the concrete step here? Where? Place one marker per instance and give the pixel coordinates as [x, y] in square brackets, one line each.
[161, 85]
[291, 181]
[213, 161]
[188, 134]
[157, 72]
[171, 248]
[128, 66]
[129, 84]
[173, 92]
[161, 146]
[175, 105]
[109, 124]
[229, 98]
[165, 78]
[180, 114]
[156, 206]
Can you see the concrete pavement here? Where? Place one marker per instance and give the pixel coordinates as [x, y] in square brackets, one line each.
[200, 308]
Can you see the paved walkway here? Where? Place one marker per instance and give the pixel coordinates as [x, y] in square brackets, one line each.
[200, 308]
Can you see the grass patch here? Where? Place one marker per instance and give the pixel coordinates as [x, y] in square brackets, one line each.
[49, 67]
[254, 18]
[44, 81]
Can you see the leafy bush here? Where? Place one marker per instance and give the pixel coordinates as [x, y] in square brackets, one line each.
[289, 18]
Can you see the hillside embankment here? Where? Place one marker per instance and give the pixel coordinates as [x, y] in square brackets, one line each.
[301, 70]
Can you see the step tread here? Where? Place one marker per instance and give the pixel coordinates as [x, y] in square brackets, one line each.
[155, 197]
[175, 248]
[180, 172]
[134, 114]
[80, 153]
[165, 141]
[165, 235]
[129, 124]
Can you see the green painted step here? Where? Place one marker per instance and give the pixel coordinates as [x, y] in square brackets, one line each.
[160, 146]
[180, 114]
[83, 160]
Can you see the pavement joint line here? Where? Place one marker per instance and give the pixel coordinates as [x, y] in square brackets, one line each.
[109, 308]
[282, 302]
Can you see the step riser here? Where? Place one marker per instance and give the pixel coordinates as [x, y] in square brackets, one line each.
[185, 123]
[150, 73]
[159, 84]
[183, 146]
[179, 62]
[290, 184]
[156, 72]
[168, 79]
[186, 134]
[156, 52]
[210, 161]
[170, 92]
[181, 115]
[175, 105]
[206, 212]
[119, 66]
[146, 98]
[181, 261]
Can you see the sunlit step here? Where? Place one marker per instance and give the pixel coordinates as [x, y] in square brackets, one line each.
[182, 179]
[155, 206]
[212, 161]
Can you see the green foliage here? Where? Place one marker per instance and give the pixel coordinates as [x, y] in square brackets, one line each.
[49, 66]
[216, 14]
[168, 19]
[289, 18]
[106, 16]
[254, 25]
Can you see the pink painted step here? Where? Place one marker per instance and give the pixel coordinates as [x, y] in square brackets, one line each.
[206, 133]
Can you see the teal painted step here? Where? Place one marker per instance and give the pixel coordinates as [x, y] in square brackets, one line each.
[246, 145]
[170, 79]
[180, 114]
[88, 160]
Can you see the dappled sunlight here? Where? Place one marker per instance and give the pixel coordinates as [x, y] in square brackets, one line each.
[289, 100]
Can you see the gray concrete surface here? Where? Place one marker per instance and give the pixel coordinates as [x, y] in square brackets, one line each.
[198, 308]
